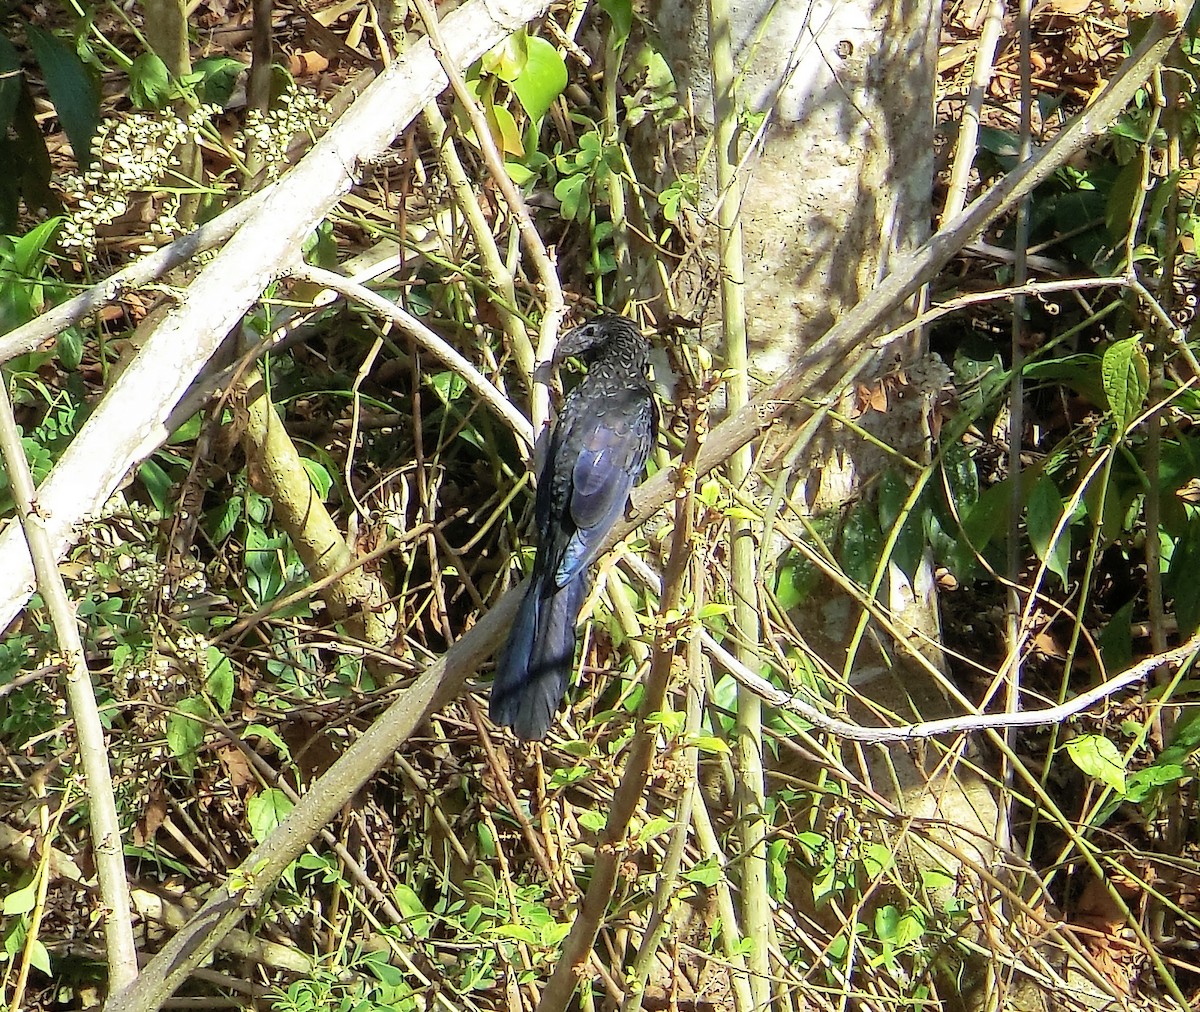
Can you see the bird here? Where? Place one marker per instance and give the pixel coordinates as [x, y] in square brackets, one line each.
[597, 453]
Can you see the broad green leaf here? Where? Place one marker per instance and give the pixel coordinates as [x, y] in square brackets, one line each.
[654, 828]
[224, 516]
[507, 59]
[707, 873]
[72, 90]
[29, 251]
[887, 918]
[185, 732]
[39, 956]
[1140, 785]
[962, 478]
[1042, 514]
[157, 483]
[218, 77]
[710, 743]
[797, 578]
[266, 810]
[862, 542]
[1126, 375]
[220, 679]
[1098, 758]
[20, 901]
[910, 927]
[541, 80]
[268, 734]
[1181, 582]
[149, 82]
[69, 348]
[571, 192]
[910, 544]
[320, 477]
[519, 173]
[621, 14]
[593, 821]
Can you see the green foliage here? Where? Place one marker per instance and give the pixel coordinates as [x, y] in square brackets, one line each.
[74, 93]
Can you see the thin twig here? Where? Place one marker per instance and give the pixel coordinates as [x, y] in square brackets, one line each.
[946, 725]
[430, 342]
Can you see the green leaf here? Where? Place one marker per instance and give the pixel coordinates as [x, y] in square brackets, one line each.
[69, 348]
[621, 14]
[1042, 514]
[1098, 758]
[223, 518]
[320, 477]
[72, 90]
[571, 192]
[266, 810]
[1140, 785]
[796, 581]
[21, 901]
[862, 543]
[39, 957]
[504, 131]
[220, 679]
[592, 821]
[962, 478]
[710, 743]
[218, 78]
[541, 80]
[1126, 376]
[910, 544]
[1181, 582]
[157, 483]
[29, 251]
[268, 734]
[507, 59]
[185, 732]
[149, 82]
[707, 873]
[654, 828]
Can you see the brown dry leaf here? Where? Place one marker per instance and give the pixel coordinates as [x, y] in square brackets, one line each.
[870, 398]
[1047, 643]
[237, 766]
[152, 817]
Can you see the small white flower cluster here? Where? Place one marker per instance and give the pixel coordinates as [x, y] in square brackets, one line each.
[267, 137]
[192, 648]
[131, 155]
[156, 673]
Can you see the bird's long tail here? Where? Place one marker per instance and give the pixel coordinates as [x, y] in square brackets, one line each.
[534, 670]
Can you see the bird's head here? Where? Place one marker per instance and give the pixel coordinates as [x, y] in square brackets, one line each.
[602, 333]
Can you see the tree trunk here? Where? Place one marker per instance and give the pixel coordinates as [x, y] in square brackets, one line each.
[835, 182]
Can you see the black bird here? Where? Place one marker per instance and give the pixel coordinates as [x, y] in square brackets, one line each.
[598, 448]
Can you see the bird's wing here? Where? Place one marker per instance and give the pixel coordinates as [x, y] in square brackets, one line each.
[612, 450]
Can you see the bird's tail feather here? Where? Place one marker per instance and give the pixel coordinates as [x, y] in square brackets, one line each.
[534, 671]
